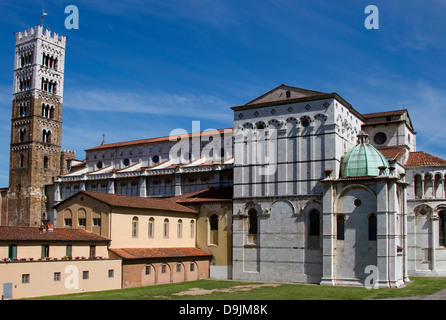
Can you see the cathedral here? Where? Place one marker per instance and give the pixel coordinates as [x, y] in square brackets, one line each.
[303, 188]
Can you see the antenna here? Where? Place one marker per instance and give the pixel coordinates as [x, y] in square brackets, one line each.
[43, 12]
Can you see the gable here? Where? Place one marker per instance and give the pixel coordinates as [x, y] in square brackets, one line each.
[284, 92]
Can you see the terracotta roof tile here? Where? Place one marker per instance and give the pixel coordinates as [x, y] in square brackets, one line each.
[142, 253]
[206, 195]
[423, 159]
[393, 152]
[118, 200]
[58, 234]
[384, 114]
[155, 140]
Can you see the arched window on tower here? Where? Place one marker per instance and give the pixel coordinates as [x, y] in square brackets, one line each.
[46, 136]
[45, 162]
[22, 134]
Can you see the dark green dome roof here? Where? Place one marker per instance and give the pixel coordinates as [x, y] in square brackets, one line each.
[363, 160]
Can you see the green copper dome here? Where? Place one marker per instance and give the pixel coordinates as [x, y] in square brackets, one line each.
[363, 160]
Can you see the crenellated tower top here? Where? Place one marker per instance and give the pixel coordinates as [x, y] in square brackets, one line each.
[40, 33]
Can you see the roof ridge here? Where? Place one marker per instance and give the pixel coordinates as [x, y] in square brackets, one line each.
[156, 139]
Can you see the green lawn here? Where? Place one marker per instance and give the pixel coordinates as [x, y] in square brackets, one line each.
[418, 286]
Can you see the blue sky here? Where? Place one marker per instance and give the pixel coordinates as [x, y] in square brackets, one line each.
[138, 69]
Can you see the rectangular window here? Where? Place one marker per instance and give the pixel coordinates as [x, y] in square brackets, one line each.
[85, 275]
[82, 222]
[92, 251]
[56, 276]
[178, 268]
[68, 222]
[45, 251]
[111, 273]
[25, 278]
[12, 251]
[192, 267]
[163, 268]
[97, 222]
[340, 228]
[148, 270]
[372, 228]
[69, 250]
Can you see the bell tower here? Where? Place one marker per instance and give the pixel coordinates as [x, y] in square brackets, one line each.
[36, 124]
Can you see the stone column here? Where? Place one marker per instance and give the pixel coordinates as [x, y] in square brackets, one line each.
[328, 236]
[142, 185]
[394, 278]
[177, 181]
[111, 184]
[434, 240]
[404, 233]
[57, 197]
[382, 240]
[82, 183]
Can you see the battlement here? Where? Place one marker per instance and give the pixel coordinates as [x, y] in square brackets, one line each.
[68, 153]
[39, 32]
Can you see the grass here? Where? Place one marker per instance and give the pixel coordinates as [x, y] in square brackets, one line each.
[418, 286]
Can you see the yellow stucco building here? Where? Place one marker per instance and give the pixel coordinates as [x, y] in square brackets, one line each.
[155, 238]
[44, 261]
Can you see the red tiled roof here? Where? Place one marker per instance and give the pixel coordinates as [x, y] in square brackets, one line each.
[384, 114]
[118, 200]
[423, 159]
[142, 253]
[393, 152]
[59, 234]
[159, 139]
[206, 195]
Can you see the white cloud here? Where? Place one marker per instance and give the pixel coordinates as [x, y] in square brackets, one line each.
[158, 103]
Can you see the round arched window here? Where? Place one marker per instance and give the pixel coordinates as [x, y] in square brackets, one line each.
[380, 138]
[305, 123]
